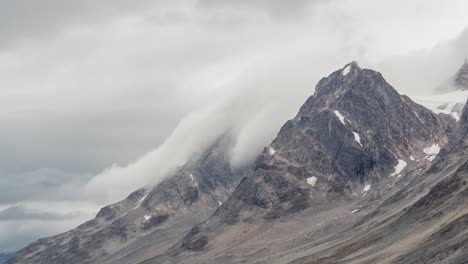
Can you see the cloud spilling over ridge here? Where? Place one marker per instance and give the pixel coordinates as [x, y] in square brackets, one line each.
[255, 104]
[252, 111]
[193, 134]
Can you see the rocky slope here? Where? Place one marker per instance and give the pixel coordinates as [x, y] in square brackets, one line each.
[349, 145]
[146, 220]
[424, 222]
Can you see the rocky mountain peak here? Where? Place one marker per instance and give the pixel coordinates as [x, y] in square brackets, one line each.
[461, 79]
[355, 132]
[350, 67]
[349, 85]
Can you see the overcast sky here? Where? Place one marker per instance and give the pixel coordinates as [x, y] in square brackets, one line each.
[101, 97]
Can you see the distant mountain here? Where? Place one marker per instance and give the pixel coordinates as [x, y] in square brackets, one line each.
[5, 256]
[451, 96]
[461, 79]
[458, 82]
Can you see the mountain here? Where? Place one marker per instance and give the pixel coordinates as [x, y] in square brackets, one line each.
[458, 82]
[451, 96]
[354, 133]
[353, 143]
[346, 172]
[5, 256]
[146, 220]
[461, 79]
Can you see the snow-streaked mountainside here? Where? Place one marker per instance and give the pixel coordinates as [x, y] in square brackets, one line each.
[361, 174]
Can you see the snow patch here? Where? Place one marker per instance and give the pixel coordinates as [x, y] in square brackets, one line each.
[418, 117]
[366, 189]
[147, 217]
[357, 138]
[340, 116]
[399, 167]
[138, 203]
[355, 211]
[412, 157]
[346, 70]
[312, 180]
[193, 179]
[432, 150]
[220, 203]
[271, 151]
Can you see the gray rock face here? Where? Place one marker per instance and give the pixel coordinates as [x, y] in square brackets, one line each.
[172, 207]
[461, 79]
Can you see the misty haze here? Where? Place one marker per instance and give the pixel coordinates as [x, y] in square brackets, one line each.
[233, 131]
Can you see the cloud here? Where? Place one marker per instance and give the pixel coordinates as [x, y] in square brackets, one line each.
[23, 20]
[21, 213]
[275, 9]
[43, 184]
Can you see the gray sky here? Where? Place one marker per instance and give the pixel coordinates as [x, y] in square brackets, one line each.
[102, 97]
